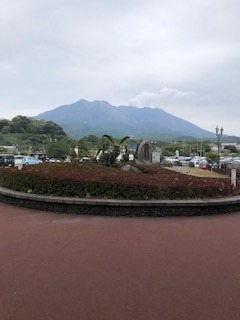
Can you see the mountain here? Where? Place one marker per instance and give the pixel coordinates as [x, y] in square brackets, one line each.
[83, 118]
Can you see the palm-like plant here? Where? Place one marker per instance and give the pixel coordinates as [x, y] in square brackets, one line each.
[115, 147]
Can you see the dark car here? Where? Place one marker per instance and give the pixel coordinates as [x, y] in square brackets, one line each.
[6, 160]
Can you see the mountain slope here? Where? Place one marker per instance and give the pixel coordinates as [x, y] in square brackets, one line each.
[99, 117]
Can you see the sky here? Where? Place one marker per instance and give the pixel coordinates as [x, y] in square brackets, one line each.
[178, 55]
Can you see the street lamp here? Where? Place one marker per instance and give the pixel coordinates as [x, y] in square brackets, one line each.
[43, 142]
[219, 133]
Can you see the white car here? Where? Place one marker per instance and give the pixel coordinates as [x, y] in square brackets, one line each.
[235, 164]
[84, 159]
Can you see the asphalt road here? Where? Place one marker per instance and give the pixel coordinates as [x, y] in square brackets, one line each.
[58, 266]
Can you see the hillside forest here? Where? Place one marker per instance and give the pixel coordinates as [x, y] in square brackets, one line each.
[30, 136]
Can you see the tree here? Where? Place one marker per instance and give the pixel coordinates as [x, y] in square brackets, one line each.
[212, 157]
[3, 123]
[53, 129]
[231, 149]
[19, 124]
[58, 149]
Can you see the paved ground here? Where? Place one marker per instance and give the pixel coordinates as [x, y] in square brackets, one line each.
[198, 172]
[57, 266]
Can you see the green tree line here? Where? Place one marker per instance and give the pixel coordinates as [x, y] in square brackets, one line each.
[39, 135]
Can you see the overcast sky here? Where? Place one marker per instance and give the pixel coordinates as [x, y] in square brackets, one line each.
[179, 55]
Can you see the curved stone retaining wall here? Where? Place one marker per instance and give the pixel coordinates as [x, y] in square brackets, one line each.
[105, 207]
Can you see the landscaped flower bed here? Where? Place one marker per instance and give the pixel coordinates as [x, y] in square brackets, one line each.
[92, 180]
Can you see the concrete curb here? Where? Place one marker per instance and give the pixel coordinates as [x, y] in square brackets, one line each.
[121, 207]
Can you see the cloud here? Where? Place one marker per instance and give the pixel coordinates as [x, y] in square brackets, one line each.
[206, 109]
[165, 97]
[177, 55]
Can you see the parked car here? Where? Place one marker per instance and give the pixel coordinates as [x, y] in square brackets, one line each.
[6, 160]
[199, 162]
[53, 160]
[28, 160]
[235, 164]
[84, 159]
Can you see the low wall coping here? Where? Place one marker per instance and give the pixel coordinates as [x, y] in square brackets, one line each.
[120, 203]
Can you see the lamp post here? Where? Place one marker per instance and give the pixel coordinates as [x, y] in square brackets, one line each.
[43, 142]
[219, 133]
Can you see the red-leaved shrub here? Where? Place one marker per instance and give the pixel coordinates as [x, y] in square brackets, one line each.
[95, 181]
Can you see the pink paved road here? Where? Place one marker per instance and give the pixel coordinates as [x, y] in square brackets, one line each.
[57, 266]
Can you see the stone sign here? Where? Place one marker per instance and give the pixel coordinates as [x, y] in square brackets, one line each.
[144, 151]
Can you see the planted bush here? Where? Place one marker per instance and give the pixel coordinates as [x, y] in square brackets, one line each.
[92, 180]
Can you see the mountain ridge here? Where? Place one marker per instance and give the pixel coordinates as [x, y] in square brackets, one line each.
[83, 117]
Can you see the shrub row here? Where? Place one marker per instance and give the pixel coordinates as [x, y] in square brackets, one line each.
[94, 181]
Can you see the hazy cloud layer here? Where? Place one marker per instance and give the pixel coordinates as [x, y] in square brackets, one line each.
[178, 55]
